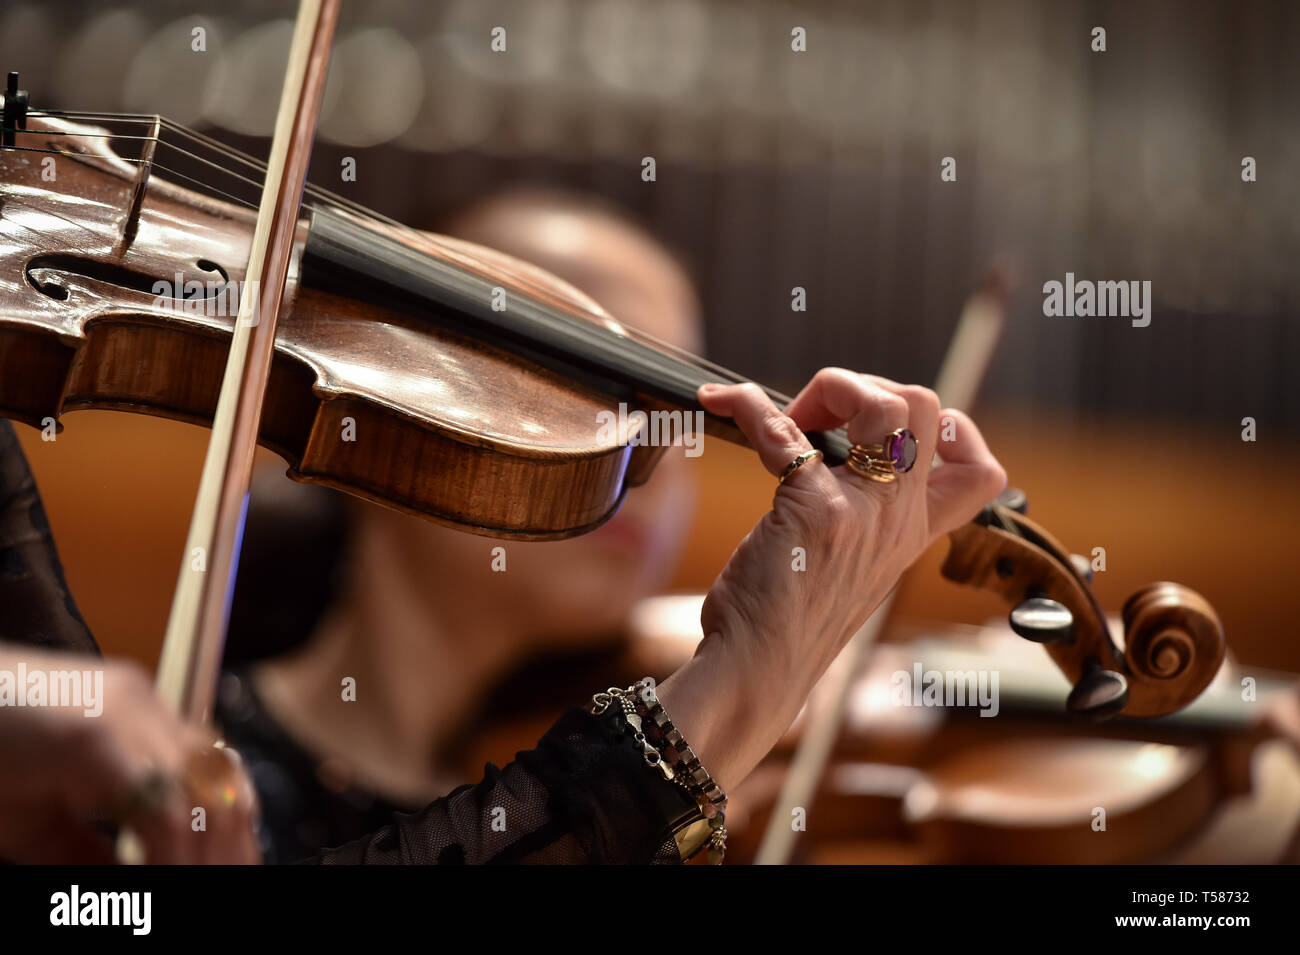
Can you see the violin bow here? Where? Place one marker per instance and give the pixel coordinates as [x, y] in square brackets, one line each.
[196, 628]
[964, 365]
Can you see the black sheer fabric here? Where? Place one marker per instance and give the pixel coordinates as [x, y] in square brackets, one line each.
[309, 802]
[305, 803]
[584, 795]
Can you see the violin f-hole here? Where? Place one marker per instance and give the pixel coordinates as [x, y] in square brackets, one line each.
[48, 275]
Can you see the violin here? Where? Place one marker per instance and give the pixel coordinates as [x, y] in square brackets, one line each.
[1027, 787]
[426, 374]
[940, 784]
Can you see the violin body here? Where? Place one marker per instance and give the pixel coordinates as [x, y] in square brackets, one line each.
[1023, 793]
[119, 290]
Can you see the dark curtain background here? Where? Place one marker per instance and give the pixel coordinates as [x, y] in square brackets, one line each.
[818, 169]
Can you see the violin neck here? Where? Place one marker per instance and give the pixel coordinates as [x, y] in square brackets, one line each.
[345, 251]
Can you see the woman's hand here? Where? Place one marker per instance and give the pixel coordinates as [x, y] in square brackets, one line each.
[134, 763]
[815, 567]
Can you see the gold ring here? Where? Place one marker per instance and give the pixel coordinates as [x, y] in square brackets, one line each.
[799, 462]
[884, 462]
[149, 795]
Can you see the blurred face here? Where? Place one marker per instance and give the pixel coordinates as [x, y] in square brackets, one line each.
[583, 587]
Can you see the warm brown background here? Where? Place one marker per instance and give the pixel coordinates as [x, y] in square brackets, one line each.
[1206, 510]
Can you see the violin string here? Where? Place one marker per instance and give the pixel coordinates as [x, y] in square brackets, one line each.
[153, 163]
[207, 186]
[231, 197]
[328, 199]
[206, 141]
[90, 115]
[331, 199]
[253, 164]
[681, 354]
[339, 201]
[64, 132]
[324, 198]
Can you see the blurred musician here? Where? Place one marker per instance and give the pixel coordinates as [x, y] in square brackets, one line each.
[438, 638]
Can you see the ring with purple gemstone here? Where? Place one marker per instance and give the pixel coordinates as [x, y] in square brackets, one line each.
[884, 462]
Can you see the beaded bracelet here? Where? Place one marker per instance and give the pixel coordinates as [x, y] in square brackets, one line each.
[669, 753]
[669, 741]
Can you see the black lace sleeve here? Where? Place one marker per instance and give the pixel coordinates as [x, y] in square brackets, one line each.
[36, 606]
[584, 795]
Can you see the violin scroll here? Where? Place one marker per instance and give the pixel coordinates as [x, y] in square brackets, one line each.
[1173, 640]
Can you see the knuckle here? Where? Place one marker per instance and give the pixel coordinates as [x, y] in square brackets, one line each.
[778, 428]
[895, 406]
[923, 399]
[835, 373]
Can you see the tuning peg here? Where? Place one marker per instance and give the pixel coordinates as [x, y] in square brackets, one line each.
[1014, 499]
[1099, 694]
[15, 110]
[1043, 621]
[1082, 566]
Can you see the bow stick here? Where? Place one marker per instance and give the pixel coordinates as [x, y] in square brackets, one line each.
[196, 628]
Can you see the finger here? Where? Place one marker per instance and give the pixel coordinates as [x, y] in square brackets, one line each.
[923, 414]
[86, 780]
[969, 477]
[159, 818]
[154, 807]
[771, 433]
[215, 780]
[134, 736]
[837, 396]
[98, 764]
